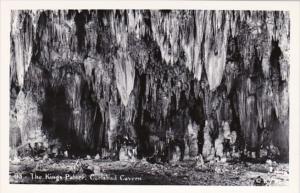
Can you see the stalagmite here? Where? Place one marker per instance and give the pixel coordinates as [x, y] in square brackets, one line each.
[29, 119]
[207, 146]
[219, 145]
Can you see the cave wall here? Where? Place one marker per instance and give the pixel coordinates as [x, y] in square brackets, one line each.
[89, 77]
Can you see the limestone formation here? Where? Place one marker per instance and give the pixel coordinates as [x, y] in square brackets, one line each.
[102, 79]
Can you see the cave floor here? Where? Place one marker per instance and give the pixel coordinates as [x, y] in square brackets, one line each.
[188, 172]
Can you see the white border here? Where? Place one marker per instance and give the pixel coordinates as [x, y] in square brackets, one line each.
[293, 7]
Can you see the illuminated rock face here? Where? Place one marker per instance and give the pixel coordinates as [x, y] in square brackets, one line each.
[87, 77]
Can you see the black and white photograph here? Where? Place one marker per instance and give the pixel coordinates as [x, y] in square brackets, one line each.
[149, 97]
[194, 97]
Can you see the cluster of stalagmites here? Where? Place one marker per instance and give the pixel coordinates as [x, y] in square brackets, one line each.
[164, 85]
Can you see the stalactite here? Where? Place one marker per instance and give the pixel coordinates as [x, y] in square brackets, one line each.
[125, 74]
